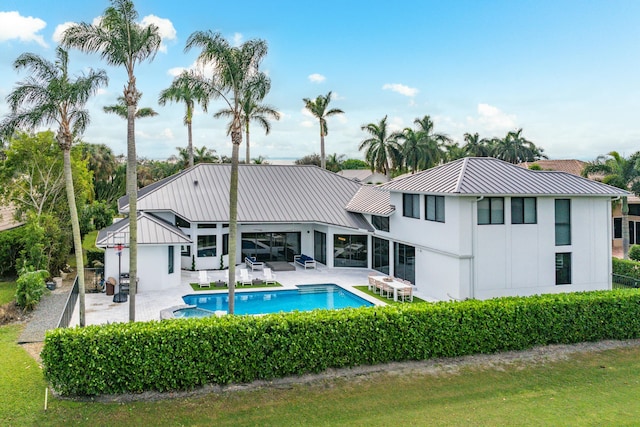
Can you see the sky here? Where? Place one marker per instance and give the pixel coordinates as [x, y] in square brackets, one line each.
[566, 72]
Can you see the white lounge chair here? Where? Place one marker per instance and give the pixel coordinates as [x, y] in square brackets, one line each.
[269, 276]
[203, 279]
[245, 277]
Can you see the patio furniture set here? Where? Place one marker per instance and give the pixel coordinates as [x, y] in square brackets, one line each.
[242, 278]
[399, 289]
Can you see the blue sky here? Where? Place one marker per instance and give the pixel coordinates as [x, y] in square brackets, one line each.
[567, 72]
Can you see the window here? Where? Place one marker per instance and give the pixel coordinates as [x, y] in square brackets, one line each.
[563, 222]
[206, 246]
[225, 244]
[182, 223]
[350, 250]
[617, 228]
[171, 259]
[405, 262]
[491, 210]
[634, 209]
[185, 250]
[434, 208]
[207, 225]
[523, 210]
[563, 269]
[411, 205]
[380, 222]
[380, 255]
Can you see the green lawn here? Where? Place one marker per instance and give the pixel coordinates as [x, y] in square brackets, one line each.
[590, 389]
[7, 292]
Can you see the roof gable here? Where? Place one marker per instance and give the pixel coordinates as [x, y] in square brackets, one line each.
[151, 231]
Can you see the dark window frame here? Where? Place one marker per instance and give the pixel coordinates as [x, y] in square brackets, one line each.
[411, 205]
[437, 214]
[491, 201]
[563, 270]
[380, 223]
[211, 249]
[561, 224]
[519, 216]
[171, 256]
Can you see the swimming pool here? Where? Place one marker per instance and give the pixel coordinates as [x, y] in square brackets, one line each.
[305, 298]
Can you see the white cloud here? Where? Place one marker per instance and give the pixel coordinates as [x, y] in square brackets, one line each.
[395, 124]
[401, 89]
[492, 119]
[23, 28]
[307, 124]
[176, 71]
[307, 113]
[167, 133]
[57, 34]
[102, 91]
[237, 39]
[335, 96]
[165, 28]
[316, 78]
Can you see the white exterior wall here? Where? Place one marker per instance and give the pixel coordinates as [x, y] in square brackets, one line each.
[153, 267]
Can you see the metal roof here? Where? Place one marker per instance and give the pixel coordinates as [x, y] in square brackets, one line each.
[151, 231]
[490, 176]
[371, 200]
[266, 194]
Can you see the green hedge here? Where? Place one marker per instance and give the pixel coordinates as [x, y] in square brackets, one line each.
[626, 267]
[186, 353]
[94, 254]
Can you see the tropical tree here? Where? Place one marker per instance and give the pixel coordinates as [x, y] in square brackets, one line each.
[318, 107]
[252, 109]
[235, 69]
[514, 148]
[49, 97]
[334, 162]
[475, 146]
[121, 41]
[188, 89]
[622, 173]
[382, 148]
[412, 149]
[432, 143]
[309, 159]
[122, 110]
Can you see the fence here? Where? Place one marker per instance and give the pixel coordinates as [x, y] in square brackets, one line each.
[67, 313]
[624, 282]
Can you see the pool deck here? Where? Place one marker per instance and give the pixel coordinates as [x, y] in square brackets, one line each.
[100, 308]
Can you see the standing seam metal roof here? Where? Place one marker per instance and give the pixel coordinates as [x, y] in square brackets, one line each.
[266, 194]
[151, 231]
[490, 176]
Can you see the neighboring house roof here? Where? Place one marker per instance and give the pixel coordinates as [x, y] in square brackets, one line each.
[151, 231]
[489, 176]
[371, 200]
[266, 193]
[7, 219]
[571, 166]
[363, 175]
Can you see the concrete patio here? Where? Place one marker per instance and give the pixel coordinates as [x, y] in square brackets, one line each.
[100, 308]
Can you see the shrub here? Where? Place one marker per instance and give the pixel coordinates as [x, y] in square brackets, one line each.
[29, 288]
[93, 255]
[626, 267]
[187, 353]
[634, 252]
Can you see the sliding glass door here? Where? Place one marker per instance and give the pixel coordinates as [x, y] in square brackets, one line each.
[275, 246]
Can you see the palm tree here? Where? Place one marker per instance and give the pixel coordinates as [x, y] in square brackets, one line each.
[514, 148]
[622, 173]
[235, 69]
[432, 142]
[48, 97]
[318, 107]
[121, 41]
[476, 147]
[382, 149]
[334, 162]
[186, 88]
[252, 109]
[120, 109]
[413, 148]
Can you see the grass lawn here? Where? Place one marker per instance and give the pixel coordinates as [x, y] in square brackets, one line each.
[599, 388]
[7, 292]
[196, 287]
[389, 301]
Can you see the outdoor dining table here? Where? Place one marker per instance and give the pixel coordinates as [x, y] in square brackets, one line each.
[394, 284]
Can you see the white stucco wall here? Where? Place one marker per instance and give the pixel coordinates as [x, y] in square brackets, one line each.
[153, 267]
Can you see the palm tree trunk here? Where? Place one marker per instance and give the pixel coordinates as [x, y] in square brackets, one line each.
[190, 144]
[236, 139]
[248, 158]
[75, 227]
[132, 191]
[625, 228]
[323, 163]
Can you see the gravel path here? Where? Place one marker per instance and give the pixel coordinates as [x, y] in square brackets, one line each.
[46, 314]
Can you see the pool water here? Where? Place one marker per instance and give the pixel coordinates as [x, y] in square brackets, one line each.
[305, 298]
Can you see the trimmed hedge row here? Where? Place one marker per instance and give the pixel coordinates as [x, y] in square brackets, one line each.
[183, 354]
[626, 267]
